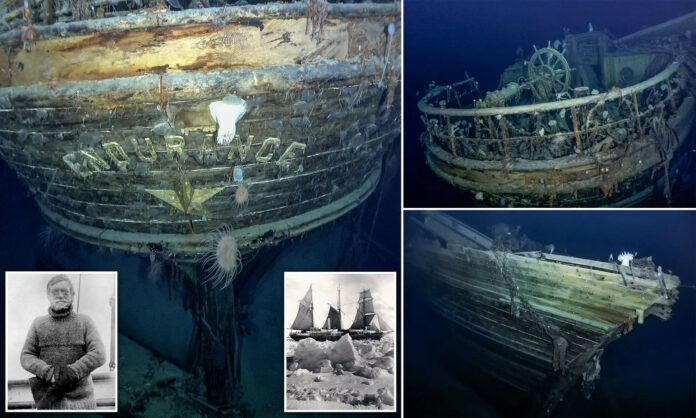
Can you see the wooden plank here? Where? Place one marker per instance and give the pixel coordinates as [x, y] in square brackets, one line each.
[573, 305]
[249, 15]
[466, 234]
[268, 199]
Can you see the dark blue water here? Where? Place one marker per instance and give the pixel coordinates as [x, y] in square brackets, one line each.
[443, 39]
[650, 372]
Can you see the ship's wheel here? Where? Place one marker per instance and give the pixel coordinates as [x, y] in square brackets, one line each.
[548, 73]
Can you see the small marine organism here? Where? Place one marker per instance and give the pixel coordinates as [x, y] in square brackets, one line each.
[519, 52]
[156, 268]
[625, 258]
[238, 174]
[590, 28]
[390, 34]
[241, 196]
[227, 112]
[560, 346]
[175, 5]
[223, 260]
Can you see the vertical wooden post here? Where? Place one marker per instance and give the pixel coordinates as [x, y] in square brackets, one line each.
[635, 104]
[576, 130]
[48, 12]
[503, 133]
[671, 96]
[491, 127]
[451, 136]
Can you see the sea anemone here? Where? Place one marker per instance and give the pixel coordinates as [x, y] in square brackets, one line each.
[227, 112]
[223, 259]
[625, 258]
[241, 196]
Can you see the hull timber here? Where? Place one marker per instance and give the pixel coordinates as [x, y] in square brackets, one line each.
[108, 122]
[581, 147]
[317, 335]
[509, 308]
[365, 335]
[336, 335]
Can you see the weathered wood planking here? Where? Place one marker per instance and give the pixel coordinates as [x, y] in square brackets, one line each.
[577, 292]
[622, 175]
[584, 301]
[267, 198]
[101, 113]
[194, 245]
[209, 40]
[180, 49]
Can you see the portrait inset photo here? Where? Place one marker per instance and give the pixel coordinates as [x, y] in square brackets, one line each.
[60, 341]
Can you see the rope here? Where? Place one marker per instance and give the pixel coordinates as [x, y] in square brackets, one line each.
[560, 344]
[501, 258]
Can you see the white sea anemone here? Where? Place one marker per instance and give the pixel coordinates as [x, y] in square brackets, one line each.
[227, 112]
[625, 258]
[224, 259]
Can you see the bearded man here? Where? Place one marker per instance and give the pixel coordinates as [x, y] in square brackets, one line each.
[61, 350]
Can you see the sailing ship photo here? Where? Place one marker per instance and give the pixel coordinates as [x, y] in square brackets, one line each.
[340, 334]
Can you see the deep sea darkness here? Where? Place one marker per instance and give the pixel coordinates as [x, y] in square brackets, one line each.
[443, 39]
[365, 239]
[649, 372]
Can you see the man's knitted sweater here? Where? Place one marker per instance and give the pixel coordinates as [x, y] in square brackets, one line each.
[65, 339]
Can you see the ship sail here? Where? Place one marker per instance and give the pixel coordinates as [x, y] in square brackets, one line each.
[304, 320]
[383, 325]
[333, 319]
[366, 311]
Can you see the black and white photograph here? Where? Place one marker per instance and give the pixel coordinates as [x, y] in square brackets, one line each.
[60, 341]
[340, 341]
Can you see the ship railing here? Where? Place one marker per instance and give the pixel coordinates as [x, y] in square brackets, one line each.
[586, 124]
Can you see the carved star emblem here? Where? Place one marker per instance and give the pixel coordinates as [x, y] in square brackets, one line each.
[185, 198]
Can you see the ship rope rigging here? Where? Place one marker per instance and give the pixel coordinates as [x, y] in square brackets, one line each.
[560, 343]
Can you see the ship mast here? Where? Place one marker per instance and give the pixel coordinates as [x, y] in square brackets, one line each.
[363, 308]
[339, 307]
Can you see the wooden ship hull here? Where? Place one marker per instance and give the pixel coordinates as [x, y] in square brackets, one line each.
[335, 336]
[507, 311]
[317, 335]
[615, 146]
[108, 121]
[366, 335]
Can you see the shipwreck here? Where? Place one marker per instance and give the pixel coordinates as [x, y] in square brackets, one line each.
[587, 121]
[535, 322]
[195, 137]
[147, 130]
